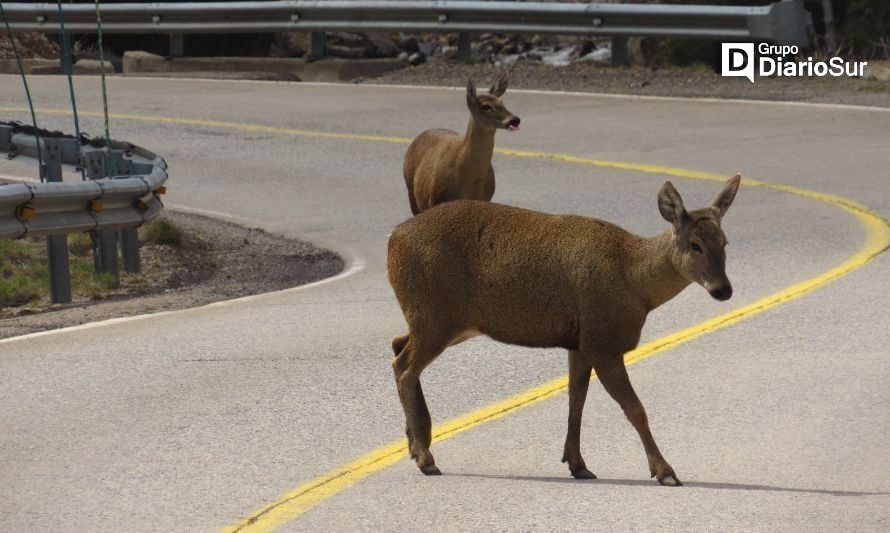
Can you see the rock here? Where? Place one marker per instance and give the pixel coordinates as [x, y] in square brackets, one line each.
[290, 44]
[353, 40]
[428, 48]
[560, 58]
[348, 52]
[416, 58]
[537, 40]
[587, 46]
[507, 60]
[383, 44]
[91, 66]
[448, 52]
[408, 43]
[136, 61]
[403, 57]
[600, 56]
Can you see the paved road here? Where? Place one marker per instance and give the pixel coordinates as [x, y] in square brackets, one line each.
[193, 420]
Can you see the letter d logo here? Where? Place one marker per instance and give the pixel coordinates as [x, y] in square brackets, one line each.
[738, 60]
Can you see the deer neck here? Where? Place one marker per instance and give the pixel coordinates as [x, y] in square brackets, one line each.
[650, 272]
[474, 158]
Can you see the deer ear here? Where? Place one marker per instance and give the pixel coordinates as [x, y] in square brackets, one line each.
[471, 93]
[670, 204]
[499, 87]
[724, 198]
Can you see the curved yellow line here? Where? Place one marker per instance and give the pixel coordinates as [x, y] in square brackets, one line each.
[305, 497]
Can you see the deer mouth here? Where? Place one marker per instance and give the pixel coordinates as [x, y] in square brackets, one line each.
[513, 125]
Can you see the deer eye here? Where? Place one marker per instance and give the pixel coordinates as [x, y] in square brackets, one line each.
[696, 248]
[487, 108]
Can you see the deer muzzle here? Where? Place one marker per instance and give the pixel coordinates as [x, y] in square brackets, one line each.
[721, 293]
[513, 124]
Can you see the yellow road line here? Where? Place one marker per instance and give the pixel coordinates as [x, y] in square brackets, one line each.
[303, 498]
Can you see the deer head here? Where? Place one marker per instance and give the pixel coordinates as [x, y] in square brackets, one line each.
[698, 241]
[487, 109]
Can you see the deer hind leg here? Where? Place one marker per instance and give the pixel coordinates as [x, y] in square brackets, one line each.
[407, 366]
[399, 365]
[613, 376]
[579, 380]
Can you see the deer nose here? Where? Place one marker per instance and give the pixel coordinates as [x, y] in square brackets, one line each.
[722, 293]
[514, 123]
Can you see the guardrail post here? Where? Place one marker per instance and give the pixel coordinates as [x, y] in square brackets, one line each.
[177, 46]
[65, 59]
[130, 250]
[129, 237]
[319, 45]
[56, 245]
[464, 46]
[619, 51]
[105, 241]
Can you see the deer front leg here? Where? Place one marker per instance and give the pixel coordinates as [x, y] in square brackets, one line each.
[579, 380]
[613, 375]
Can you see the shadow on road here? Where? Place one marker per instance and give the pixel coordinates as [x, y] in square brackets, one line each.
[688, 484]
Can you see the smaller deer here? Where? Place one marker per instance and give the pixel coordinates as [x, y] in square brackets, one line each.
[440, 165]
[467, 268]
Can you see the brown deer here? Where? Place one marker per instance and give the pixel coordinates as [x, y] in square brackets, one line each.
[467, 268]
[440, 165]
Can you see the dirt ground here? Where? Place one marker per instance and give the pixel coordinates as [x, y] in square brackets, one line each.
[218, 261]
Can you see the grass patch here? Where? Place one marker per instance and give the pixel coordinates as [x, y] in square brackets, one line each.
[162, 231]
[24, 274]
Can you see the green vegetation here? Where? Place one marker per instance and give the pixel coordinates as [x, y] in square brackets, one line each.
[162, 231]
[24, 275]
[21, 273]
[866, 27]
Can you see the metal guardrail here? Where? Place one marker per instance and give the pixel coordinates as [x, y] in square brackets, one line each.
[40, 209]
[781, 23]
[109, 208]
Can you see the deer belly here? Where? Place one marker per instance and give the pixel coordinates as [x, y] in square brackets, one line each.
[534, 332]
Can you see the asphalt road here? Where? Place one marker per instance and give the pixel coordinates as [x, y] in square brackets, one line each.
[194, 420]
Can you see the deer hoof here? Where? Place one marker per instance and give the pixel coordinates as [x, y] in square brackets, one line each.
[583, 473]
[670, 480]
[431, 470]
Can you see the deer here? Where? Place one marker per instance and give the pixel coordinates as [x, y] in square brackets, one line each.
[468, 268]
[440, 165]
